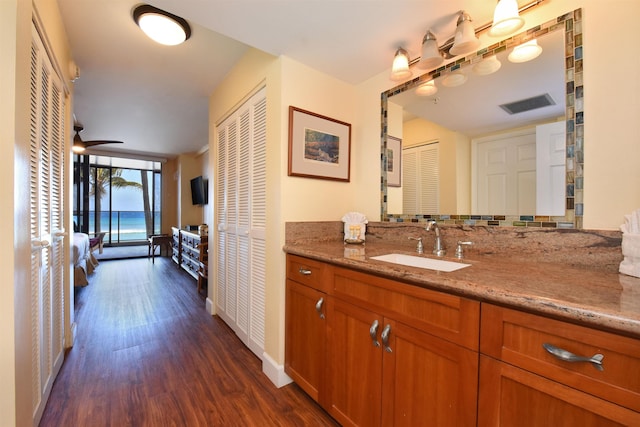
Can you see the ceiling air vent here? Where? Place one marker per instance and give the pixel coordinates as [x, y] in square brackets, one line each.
[528, 104]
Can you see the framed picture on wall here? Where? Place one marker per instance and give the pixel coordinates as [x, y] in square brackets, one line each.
[394, 161]
[319, 146]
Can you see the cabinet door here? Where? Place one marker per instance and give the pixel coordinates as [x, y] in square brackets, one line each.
[355, 364]
[305, 337]
[511, 396]
[427, 380]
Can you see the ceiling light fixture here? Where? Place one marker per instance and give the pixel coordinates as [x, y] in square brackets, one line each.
[162, 27]
[431, 56]
[427, 88]
[525, 52]
[400, 68]
[506, 19]
[465, 39]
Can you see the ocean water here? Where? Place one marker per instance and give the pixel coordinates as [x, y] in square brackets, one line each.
[126, 226]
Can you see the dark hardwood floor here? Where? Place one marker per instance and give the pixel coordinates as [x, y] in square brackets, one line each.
[148, 354]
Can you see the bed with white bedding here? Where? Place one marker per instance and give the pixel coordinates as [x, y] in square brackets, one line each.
[83, 260]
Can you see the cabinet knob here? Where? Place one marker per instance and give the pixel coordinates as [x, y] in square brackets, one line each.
[373, 333]
[567, 356]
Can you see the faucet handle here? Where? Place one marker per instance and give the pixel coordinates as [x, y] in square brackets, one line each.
[420, 247]
[459, 251]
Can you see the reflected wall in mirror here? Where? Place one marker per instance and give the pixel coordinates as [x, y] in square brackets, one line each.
[467, 120]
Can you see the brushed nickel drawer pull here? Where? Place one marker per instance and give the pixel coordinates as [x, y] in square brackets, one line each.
[319, 307]
[385, 338]
[373, 333]
[567, 356]
[304, 271]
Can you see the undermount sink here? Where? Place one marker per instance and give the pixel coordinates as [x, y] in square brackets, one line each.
[416, 261]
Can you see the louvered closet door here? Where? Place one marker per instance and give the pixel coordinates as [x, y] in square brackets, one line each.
[241, 216]
[46, 224]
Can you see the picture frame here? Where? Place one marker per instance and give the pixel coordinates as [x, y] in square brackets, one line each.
[319, 146]
[394, 161]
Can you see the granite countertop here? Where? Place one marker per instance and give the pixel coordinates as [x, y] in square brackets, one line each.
[604, 300]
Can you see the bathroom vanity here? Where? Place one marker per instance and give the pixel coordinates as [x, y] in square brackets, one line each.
[376, 343]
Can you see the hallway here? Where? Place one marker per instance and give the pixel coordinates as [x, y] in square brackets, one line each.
[148, 354]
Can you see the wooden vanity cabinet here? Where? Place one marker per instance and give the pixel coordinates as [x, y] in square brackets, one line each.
[305, 330]
[522, 384]
[384, 369]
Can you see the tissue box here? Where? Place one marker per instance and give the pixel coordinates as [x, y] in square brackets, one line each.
[354, 231]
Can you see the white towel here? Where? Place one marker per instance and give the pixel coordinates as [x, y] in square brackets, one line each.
[630, 265]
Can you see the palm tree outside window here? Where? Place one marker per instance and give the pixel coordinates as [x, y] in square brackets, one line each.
[118, 196]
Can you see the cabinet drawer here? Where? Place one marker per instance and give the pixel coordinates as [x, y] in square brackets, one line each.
[517, 338]
[309, 272]
[447, 316]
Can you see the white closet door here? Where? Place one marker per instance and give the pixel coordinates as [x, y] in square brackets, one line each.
[46, 186]
[241, 216]
[420, 179]
[257, 234]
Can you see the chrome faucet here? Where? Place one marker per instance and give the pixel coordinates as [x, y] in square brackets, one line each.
[438, 248]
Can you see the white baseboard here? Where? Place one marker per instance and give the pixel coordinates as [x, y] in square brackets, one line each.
[274, 371]
[71, 339]
[209, 306]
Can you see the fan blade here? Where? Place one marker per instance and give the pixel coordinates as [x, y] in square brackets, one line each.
[92, 143]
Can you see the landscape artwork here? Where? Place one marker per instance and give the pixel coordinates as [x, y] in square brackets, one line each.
[321, 146]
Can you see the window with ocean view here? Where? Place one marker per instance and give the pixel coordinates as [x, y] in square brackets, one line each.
[122, 197]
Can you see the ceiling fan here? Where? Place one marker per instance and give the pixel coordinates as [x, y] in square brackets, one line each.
[80, 146]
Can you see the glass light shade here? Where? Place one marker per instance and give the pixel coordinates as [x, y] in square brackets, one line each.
[430, 57]
[465, 39]
[77, 149]
[427, 88]
[453, 79]
[506, 19]
[488, 65]
[162, 29]
[400, 68]
[525, 52]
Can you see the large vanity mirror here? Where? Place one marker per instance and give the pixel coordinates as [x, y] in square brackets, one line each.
[508, 145]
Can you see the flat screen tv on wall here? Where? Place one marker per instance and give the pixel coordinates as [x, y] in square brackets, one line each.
[199, 191]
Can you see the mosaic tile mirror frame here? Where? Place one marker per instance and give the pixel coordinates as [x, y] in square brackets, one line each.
[571, 23]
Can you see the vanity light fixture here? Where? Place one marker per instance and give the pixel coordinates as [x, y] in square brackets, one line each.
[525, 52]
[400, 69]
[160, 26]
[488, 65]
[427, 88]
[431, 56]
[465, 39]
[454, 78]
[506, 19]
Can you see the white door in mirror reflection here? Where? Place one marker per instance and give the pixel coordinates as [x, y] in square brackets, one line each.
[551, 153]
[505, 173]
[521, 172]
